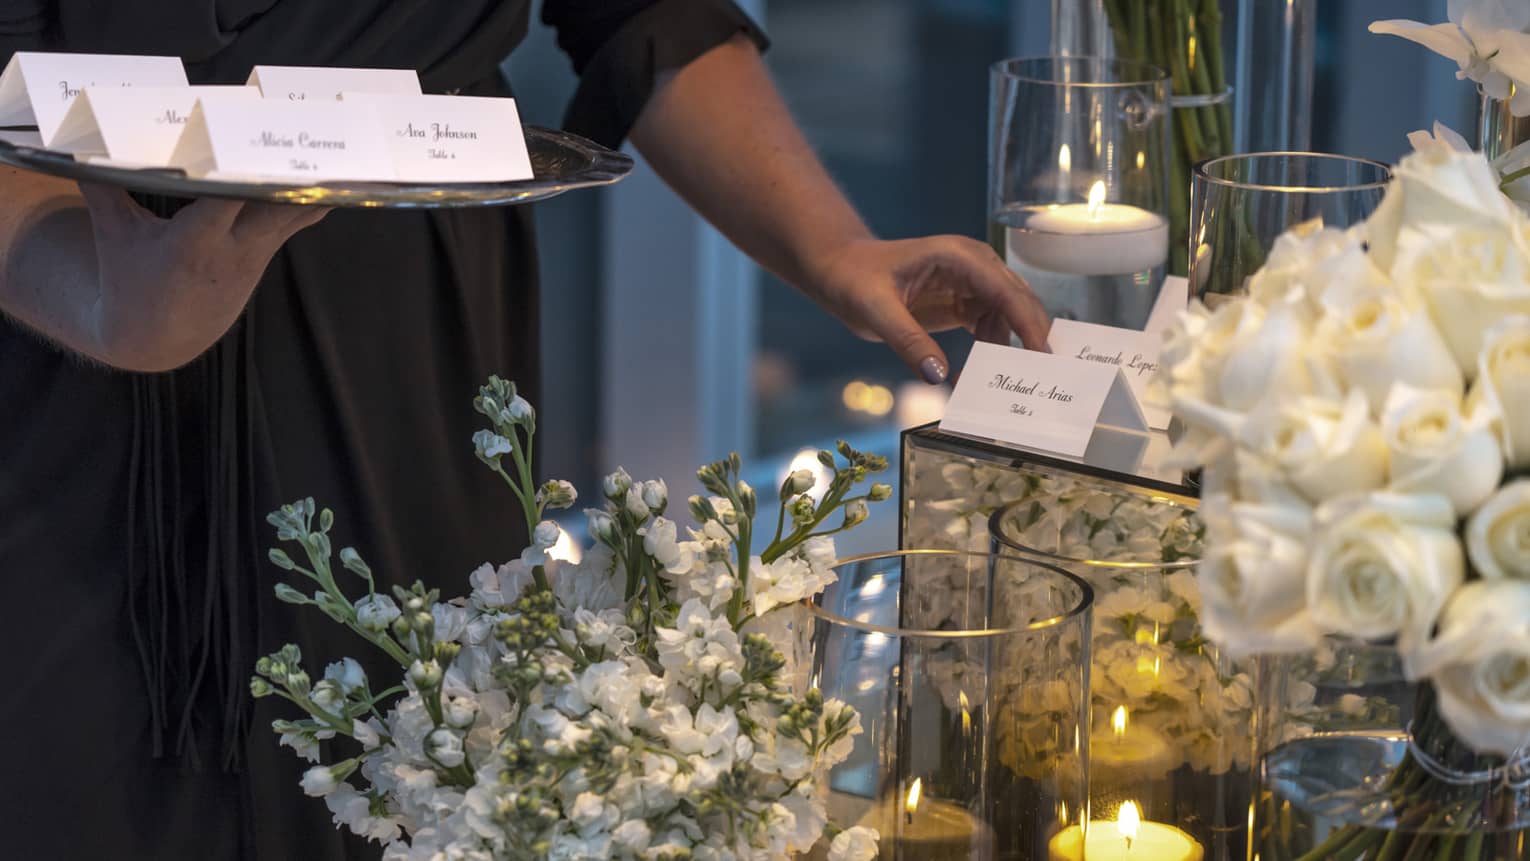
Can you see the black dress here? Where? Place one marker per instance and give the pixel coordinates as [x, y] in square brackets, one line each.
[132, 540]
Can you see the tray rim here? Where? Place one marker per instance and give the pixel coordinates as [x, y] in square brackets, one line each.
[604, 167]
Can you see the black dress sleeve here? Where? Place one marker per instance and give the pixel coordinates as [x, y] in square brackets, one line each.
[620, 47]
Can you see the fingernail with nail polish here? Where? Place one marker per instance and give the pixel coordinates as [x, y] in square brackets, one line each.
[934, 370]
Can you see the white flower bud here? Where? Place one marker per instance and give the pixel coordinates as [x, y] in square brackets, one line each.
[602, 527]
[746, 498]
[617, 484]
[460, 712]
[557, 494]
[879, 492]
[546, 534]
[319, 781]
[425, 674]
[635, 505]
[520, 410]
[855, 512]
[366, 734]
[347, 673]
[328, 697]
[800, 481]
[656, 494]
[445, 747]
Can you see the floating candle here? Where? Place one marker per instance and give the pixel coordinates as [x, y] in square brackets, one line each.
[1126, 839]
[1096, 238]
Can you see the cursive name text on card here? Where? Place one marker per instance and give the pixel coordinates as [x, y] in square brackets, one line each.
[302, 140]
[1032, 389]
[1137, 363]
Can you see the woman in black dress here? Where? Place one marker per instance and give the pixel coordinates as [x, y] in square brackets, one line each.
[154, 404]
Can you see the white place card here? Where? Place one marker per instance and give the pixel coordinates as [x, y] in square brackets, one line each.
[322, 83]
[452, 138]
[272, 139]
[38, 88]
[1135, 353]
[134, 125]
[1173, 299]
[1038, 400]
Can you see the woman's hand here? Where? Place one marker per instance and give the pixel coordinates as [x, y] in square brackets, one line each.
[899, 291]
[169, 288]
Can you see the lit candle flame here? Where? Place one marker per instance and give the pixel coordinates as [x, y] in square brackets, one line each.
[1096, 198]
[912, 803]
[1129, 821]
[1118, 722]
[966, 711]
[1064, 158]
[1141, 159]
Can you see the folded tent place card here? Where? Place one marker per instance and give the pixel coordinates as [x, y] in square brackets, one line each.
[451, 138]
[1134, 353]
[322, 83]
[299, 141]
[1039, 400]
[134, 126]
[38, 88]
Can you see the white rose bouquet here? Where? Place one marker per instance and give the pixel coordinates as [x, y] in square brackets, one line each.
[1363, 420]
[633, 706]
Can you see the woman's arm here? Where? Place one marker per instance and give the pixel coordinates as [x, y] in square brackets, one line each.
[718, 132]
[89, 269]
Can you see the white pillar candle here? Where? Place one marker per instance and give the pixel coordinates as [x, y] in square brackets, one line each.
[1094, 238]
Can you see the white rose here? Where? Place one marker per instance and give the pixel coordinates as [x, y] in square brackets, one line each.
[1469, 278]
[1502, 390]
[1253, 577]
[1382, 565]
[1376, 338]
[1305, 254]
[1434, 450]
[1498, 534]
[1324, 447]
[1479, 662]
[1268, 362]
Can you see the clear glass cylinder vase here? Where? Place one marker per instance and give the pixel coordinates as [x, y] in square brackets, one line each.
[1171, 719]
[1356, 761]
[968, 671]
[1498, 130]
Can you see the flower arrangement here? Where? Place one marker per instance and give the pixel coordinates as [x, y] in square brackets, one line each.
[1362, 417]
[1488, 39]
[637, 705]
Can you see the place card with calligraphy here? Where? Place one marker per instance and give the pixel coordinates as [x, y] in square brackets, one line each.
[1039, 400]
[452, 138]
[134, 125]
[37, 89]
[301, 141]
[1135, 353]
[322, 83]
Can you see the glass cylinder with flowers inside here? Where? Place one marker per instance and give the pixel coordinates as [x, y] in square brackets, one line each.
[1362, 417]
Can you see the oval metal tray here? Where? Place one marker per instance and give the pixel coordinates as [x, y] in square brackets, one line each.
[560, 161]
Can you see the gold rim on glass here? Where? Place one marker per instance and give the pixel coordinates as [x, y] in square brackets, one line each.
[997, 532]
[1085, 600]
[1202, 172]
[1130, 73]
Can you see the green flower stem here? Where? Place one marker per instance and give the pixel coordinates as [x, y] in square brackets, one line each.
[380, 640]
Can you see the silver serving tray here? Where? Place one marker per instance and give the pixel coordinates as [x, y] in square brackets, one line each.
[560, 161]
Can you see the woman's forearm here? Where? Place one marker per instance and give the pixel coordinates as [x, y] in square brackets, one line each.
[718, 132]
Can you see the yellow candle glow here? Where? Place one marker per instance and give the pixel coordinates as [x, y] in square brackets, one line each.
[1128, 754]
[1126, 839]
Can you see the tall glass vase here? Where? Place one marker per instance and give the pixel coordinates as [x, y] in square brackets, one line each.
[1355, 761]
[1242, 73]
[1170, 717]
[1499, 131]
[969, 672]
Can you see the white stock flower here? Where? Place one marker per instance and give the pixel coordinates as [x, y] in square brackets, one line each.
[1498, 534]
[543, 538]
[376, 612]
[490, 445]
[1502, 389]
[445, 747]
[366, 733]
[661, 541]
[347, 673]
[616, 485]
[1376, 337]
[1435, 450]
[635, 505]
[656, 494]
[1479, 662]
[633, 835]
[785, 581]
[1383, 565]
[1253, 578]
[700, 644]
[319, 781]
[1324, 448]
[354, 811]
[1486, 40]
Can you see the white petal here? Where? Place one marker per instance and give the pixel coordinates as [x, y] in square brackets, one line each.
[1443, 39]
